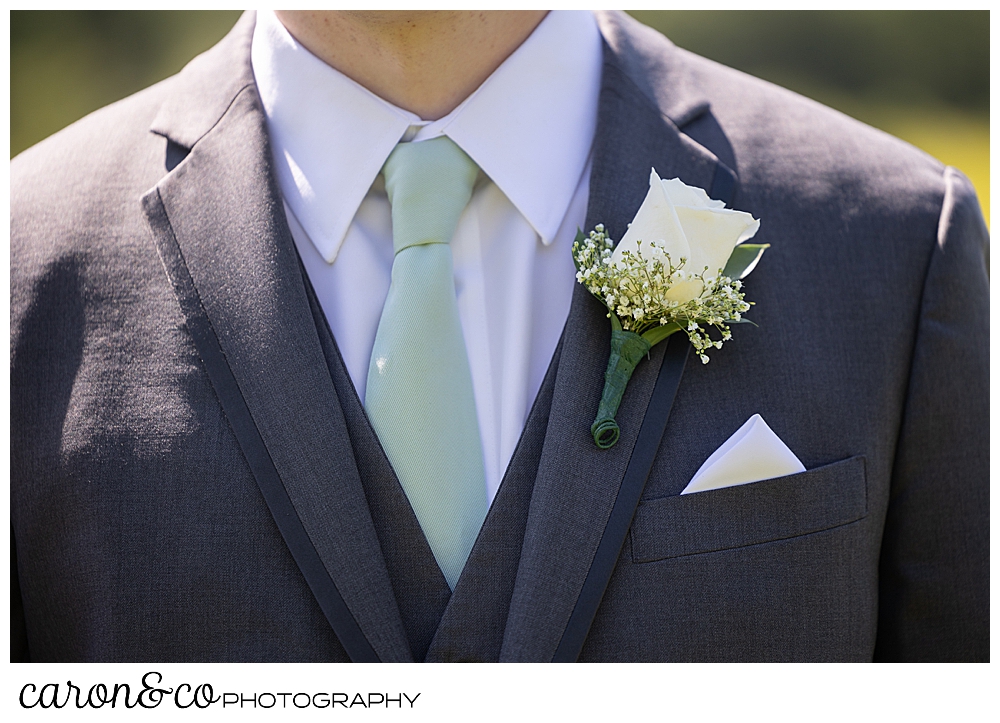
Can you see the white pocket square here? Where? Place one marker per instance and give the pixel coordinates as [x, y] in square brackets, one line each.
[752, 454]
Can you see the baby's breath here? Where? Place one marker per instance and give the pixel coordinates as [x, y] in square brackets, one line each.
[636, 291]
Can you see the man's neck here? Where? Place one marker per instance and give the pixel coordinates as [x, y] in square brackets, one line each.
[424, 62]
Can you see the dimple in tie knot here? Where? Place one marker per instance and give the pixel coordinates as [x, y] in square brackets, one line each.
[429, 185]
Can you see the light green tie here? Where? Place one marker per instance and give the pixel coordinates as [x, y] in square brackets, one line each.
[419, 395]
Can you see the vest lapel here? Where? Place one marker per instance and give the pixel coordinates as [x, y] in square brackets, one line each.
[577, 483]
[218, 222]
[467, 625]
[220, 228]
[421, 592]
[472, 628]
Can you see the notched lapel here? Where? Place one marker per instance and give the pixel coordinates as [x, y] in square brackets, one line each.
[577, 483]
[224, 210]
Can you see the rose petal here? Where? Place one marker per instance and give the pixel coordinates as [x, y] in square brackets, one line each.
[656, 221]
[684, 291]
[750, 231]
[681, 194]
[713, 234]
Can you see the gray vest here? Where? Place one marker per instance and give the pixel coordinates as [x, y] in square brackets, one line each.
[466, 625]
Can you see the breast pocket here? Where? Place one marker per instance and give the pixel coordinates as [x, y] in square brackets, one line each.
[776, 509]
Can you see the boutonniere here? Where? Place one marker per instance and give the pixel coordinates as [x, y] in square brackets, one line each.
[677, 268]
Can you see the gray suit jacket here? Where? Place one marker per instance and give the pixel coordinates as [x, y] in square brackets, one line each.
[155, 518]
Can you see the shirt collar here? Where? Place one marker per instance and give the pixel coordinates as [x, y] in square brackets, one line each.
[529, 126]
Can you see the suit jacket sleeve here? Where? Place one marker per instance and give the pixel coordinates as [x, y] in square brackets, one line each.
[934, 568]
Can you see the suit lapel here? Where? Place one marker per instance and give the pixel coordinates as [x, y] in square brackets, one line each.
[219, 223]
[577, 483]
[221, 211]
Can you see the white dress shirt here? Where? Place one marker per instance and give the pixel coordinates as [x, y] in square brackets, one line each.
[529, 127]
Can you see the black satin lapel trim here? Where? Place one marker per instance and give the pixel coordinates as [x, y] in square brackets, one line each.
[421, 592]
[219, 223]
[650, 437]
[636, 474]
[577, 488]
[240, 420]
[472, 627]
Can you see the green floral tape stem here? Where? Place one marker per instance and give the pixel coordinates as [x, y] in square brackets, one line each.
[627, 349]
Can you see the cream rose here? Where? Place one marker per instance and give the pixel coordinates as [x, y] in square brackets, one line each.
[685, 223]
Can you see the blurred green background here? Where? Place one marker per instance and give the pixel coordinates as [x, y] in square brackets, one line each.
[920, 75]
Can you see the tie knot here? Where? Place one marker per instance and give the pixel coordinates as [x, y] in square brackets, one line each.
[429, 185]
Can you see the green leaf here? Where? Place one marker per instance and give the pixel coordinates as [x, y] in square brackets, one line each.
[659, 333]
[740, 321]
[743, 259]
[616, 323]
